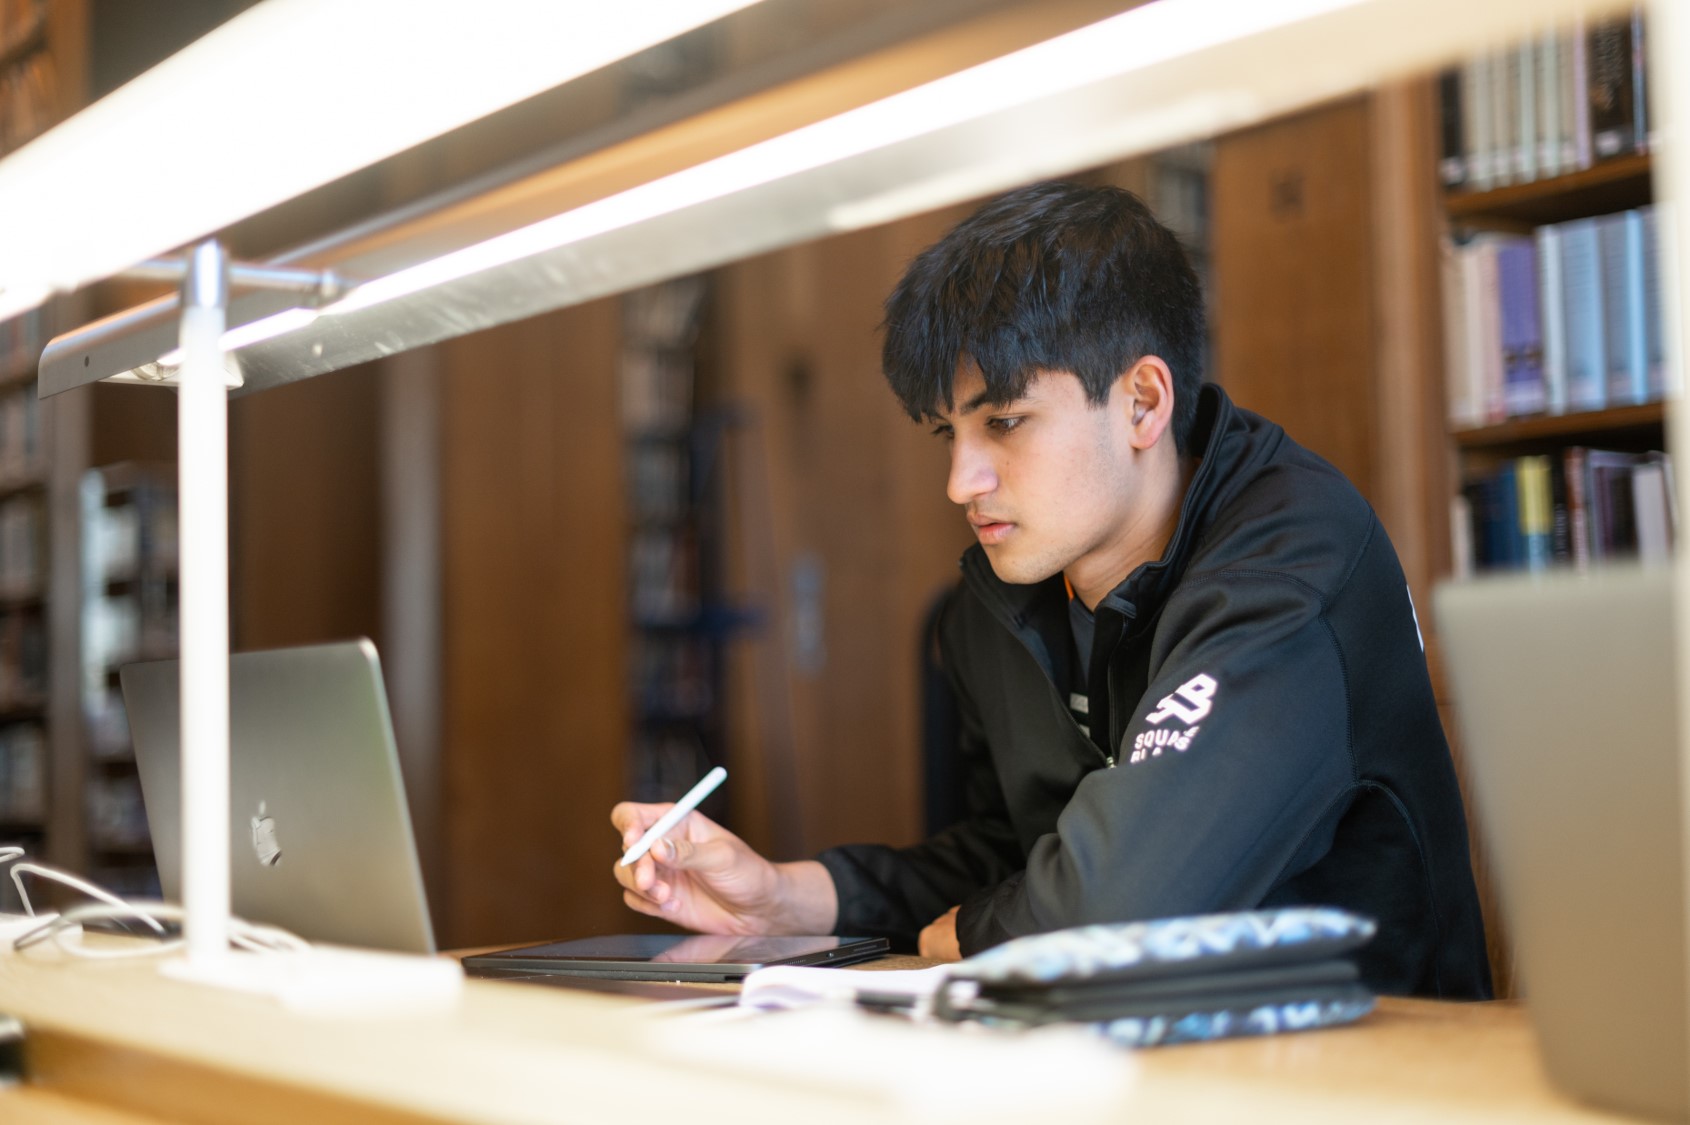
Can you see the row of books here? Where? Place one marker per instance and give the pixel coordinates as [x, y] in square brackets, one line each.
[672, 675]
[1577, 508]
[23, 773]
[24, 337]
[663, 573]
[117, 817]
[1566, 319]
[1546, 107]
[129, 540]
[118, 628]
[22, 456]
[23, 659]
[23, 555]
[129, 535]
[658, 480]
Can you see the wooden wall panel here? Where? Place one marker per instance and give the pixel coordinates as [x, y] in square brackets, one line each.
[535, 725]
[1293, 278]
[304, 515]
[846, 480]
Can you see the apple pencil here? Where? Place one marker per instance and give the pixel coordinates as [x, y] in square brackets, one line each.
[706, 786]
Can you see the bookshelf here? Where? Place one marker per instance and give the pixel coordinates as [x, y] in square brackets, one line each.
[1552, 305]
[1613, 185]
[1622, 423]
[42, 802]
[680, 617]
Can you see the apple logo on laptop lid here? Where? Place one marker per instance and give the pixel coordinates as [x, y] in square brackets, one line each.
[264, 838]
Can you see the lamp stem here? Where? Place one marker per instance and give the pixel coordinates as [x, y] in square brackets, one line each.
[203, 521]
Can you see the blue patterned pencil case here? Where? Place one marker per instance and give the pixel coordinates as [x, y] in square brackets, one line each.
[1174, 980]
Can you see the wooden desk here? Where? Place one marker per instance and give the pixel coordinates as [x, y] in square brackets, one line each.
[114, 1043]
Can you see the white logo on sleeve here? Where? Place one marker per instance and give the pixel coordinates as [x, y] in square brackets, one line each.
[1191, 702]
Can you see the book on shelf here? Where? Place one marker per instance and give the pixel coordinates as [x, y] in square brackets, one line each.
[23, 773]
[1620, 243]
[1565, 320]
[1615, 117]
[1582, 319]
[1545, 107]
[1520, 327]
[1577, 508]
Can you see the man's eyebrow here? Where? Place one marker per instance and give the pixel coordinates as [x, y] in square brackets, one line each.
[976, 402]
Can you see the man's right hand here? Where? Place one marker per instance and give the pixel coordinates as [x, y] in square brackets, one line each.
[703, 877]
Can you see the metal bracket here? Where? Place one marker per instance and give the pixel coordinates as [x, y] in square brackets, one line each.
[322, 285]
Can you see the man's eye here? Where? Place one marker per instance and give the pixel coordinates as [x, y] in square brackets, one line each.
[943, 431]
[1004, 425]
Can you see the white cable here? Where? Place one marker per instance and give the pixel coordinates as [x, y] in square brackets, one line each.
[75, 882]
[251, 936]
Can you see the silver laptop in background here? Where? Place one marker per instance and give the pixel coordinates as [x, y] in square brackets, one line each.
[1566, 691]
[320, 836]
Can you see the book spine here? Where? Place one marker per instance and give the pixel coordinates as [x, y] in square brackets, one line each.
[1581, 275]
[1549, 104]
[1649, 507]
[1505, 115]
[1578, 509]
[1531, 478]
[1458, 383]
[1554, 321]
[1613, 527]
[1613, 114]
[1621, 241]
[1525, 112]
[1578, 95]
[1510, 533]
[1560, 521]
[1476, 117]
[1492, 391]
[1636, 306]
[1452, 167]
[1640, 83]
[1521, 328]
[1462, 561]
[1654, 335]
[1473, 322]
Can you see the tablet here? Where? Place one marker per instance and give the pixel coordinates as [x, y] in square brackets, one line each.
[683, 957]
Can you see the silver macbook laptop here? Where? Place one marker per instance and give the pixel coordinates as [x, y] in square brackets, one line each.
[1566, 687]
[320, 836]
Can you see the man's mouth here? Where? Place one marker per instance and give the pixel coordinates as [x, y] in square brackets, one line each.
[989, 529]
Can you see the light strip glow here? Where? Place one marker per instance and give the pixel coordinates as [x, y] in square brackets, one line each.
[259, 330]
[284, 98]
[1141, 37]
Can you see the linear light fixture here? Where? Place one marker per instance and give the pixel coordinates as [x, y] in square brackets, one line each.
[834, 152]
[285, 97]
[1126, 42]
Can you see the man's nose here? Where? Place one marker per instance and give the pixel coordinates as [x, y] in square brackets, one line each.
[972, 475]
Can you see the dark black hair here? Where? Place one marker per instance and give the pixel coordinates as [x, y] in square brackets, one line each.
[1052, 277]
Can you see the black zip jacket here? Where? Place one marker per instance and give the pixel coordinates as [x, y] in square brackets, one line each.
[1263, 733]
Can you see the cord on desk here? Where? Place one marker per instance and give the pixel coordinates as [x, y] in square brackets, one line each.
[65, 929]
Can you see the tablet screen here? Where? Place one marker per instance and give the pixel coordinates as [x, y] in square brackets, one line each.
[713, 956]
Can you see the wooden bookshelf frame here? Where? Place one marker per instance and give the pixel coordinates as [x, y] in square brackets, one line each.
[1619, 184]
[1559, 427]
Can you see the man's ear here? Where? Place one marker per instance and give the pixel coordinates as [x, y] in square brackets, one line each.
[1148, 391]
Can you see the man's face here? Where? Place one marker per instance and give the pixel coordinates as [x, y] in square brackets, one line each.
[1047, 481]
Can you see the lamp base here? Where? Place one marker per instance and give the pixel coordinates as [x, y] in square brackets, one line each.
[331, 980]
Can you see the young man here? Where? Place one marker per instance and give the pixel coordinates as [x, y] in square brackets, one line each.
[1187, 664]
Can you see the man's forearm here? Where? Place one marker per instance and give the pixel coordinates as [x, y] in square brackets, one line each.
[807, 902]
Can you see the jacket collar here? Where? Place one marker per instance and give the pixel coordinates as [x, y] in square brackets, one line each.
[1037, 613]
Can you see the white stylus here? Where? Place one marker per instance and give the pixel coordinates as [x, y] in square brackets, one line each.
[706, 786]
